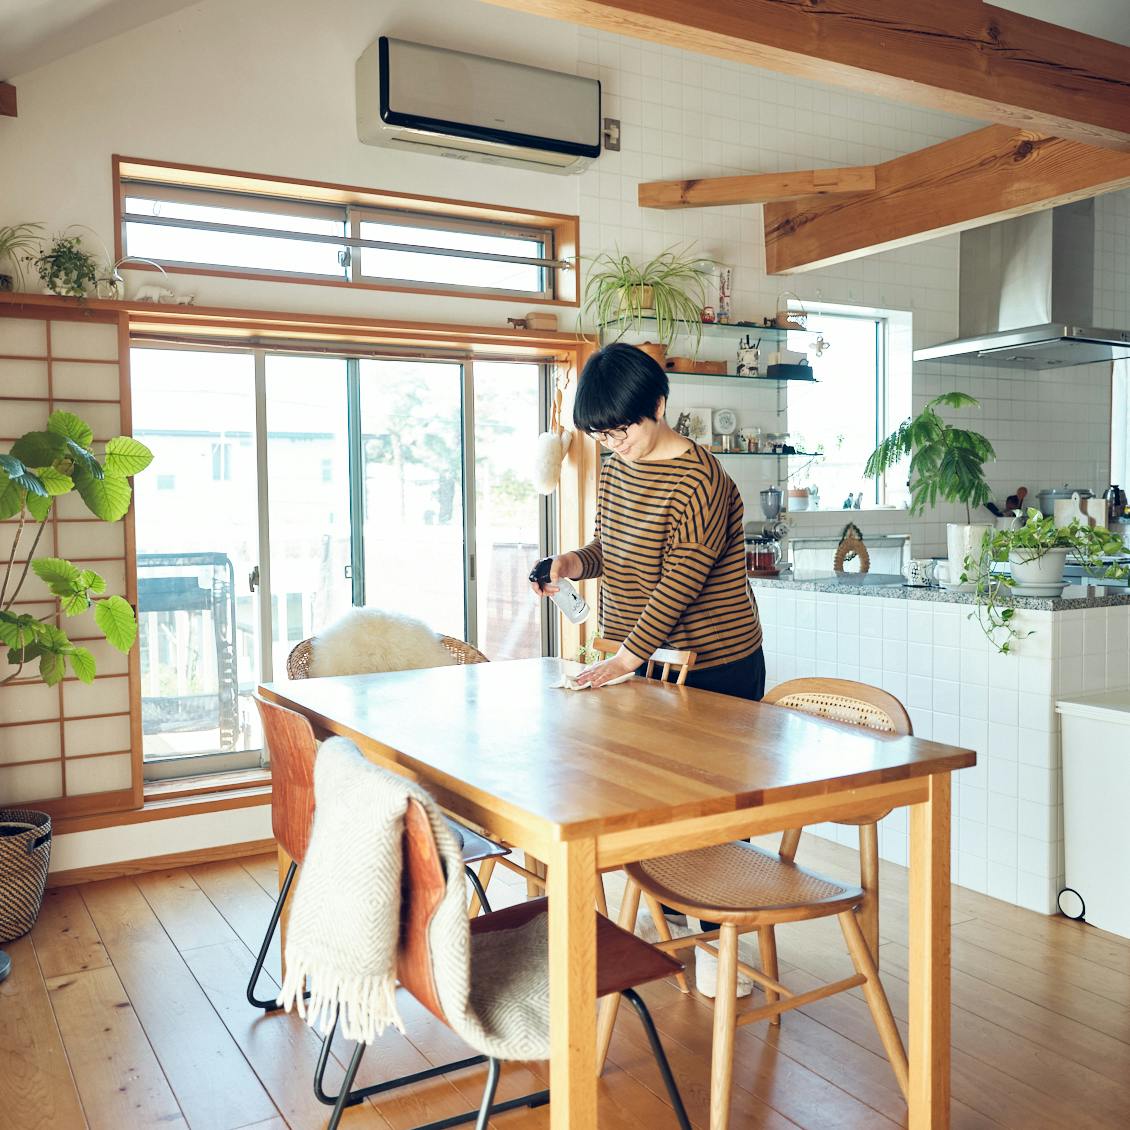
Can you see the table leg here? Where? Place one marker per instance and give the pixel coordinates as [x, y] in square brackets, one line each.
[572, 985]
[929, 1050]
[284, 866]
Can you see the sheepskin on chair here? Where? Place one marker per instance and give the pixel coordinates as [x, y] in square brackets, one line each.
[365, 640]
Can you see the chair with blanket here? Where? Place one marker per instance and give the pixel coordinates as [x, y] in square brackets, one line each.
[380, 901]
[293, 747]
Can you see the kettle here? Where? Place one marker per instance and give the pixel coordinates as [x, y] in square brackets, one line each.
[771, 502]
[1115, 498]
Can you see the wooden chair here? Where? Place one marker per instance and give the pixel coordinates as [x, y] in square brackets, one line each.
[293, 747]
[744, 887]
[858, 704]
[624, 961]
[476, 847]
[669, 657]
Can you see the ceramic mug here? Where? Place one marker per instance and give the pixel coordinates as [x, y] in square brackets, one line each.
[920, 571]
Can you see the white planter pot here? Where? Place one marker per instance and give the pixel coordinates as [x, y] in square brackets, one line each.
[963, 541]
[1047, 569]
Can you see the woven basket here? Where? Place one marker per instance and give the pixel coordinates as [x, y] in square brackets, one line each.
[25, 853]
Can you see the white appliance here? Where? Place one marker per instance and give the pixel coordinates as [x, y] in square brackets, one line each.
[1096, 788]
[430, 100]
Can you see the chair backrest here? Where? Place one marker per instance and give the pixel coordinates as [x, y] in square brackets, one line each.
[293, 747]
[298, 661]
[669, 657]
[842, 700]
[422, 890]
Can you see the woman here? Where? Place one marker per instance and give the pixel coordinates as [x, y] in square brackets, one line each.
[668, 543]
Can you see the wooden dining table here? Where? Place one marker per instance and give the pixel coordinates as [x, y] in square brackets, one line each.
[590, 780]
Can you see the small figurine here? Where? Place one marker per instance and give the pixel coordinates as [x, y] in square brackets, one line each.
[848, 501]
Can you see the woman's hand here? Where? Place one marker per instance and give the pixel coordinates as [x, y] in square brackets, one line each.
[597, 674]
[567, 565]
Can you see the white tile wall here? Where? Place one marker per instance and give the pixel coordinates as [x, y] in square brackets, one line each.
[1008, 809]
[686, 115]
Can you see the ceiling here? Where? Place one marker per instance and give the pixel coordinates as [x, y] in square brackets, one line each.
[36, 32]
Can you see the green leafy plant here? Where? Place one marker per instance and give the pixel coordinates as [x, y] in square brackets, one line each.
[945, 462]
[65, 267]
[995, 612]
[39, 468]
[669, 287]
[16, 241]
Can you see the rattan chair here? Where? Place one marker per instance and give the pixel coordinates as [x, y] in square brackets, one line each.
[477, 848]
[744, 887]
[841, 700]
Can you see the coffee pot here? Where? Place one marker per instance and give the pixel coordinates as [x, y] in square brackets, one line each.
[771, 502]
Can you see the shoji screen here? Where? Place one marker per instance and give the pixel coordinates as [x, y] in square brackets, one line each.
[75, 748]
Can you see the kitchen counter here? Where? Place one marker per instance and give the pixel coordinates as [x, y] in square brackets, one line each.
[1075, 598]
[928, 649]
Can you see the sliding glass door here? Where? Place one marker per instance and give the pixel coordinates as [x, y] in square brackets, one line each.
[288, 487]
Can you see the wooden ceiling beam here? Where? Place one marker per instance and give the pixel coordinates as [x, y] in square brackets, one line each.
[961, 56]
[7, 100]
[992, 174]
[755, 188]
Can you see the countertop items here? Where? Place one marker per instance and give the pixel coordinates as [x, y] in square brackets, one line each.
[892, 587]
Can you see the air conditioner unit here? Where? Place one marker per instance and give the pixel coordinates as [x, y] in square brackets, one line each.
[430, 100]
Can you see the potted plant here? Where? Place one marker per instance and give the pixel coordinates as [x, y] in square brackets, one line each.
[1037, 553]
[39, 468]
[16, 241]
[946, 463]
[65, 267]
[669, 287]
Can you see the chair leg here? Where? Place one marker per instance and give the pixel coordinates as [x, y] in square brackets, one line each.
[869, 881]
[767, 952]
[480, 893]
[725, 1023]
[664, 931]
[601, 896]
[876, 998]
[343, 1099]
[537, 868]
[642, 1010]
[280, 902]
[488, 1095]
[608, 1008]
[486, 870]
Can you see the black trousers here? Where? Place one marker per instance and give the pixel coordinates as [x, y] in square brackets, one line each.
[744, 678]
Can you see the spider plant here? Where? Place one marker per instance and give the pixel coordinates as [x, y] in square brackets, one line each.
[17, 240]
[669, 287]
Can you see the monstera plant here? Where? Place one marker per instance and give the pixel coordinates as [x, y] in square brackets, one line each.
[39, 468]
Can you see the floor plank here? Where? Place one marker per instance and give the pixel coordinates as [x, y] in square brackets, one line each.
[215, 1086]
[244, 904]
[118, 1076]
[37, 1090]
[186, 912]
[279, 1046]
[65, 939]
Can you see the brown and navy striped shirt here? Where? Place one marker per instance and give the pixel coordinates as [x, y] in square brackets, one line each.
[670, 550]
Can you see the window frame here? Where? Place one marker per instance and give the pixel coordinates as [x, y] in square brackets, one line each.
[559, 232]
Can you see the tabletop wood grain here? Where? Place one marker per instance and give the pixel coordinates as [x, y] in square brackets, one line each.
[591, 762]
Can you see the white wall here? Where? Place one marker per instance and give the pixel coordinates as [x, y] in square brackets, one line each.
[267, 86]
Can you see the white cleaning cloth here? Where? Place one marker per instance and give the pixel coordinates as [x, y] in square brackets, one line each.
[569, 683]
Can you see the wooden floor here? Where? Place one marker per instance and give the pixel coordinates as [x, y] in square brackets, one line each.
[125, 1010]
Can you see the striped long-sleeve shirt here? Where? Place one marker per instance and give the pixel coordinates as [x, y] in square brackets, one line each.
[670, 552]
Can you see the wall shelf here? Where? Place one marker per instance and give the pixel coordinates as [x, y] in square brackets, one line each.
[739, 377]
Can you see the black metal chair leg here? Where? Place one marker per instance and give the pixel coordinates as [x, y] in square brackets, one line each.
[488, 1095]
[343, 1099]
[660, 1057]
[479, 890]
[270, 1005]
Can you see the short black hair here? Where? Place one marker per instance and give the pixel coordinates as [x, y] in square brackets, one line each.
[619, 385]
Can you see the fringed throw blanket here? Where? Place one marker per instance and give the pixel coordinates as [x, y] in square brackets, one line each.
[344, 924]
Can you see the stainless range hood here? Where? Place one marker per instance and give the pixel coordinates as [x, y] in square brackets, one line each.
[1027, 293]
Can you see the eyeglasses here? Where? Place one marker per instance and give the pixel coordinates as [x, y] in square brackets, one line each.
[613, 435]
